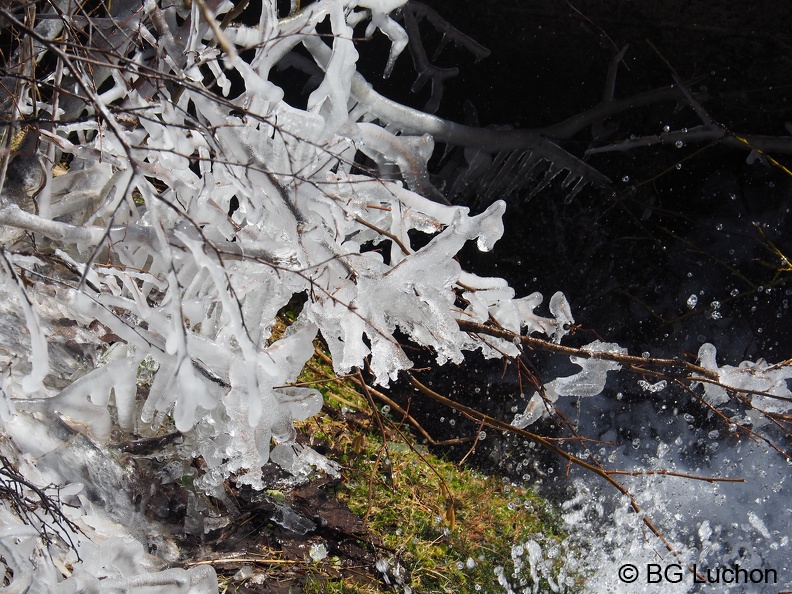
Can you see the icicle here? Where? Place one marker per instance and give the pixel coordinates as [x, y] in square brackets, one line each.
[39, 356]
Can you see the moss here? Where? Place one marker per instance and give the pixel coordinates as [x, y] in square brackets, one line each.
[439, 526]
[429, 525]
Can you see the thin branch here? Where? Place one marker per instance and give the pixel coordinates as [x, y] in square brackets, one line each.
[497, 424]
[544, 345]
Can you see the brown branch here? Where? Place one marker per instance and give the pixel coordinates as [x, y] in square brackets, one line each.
[750, 433]
[570, 458]
[544, 345]
[387, 234]
[473, 447]
[387, 400]
[695, 477]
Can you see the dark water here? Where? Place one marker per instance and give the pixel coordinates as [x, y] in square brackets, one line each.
[677, 221]
[687, 246]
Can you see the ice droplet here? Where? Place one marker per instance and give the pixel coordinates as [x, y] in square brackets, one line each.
[318, 551]
[759, 524]
[292, 521]
[692, 301]
[652, 388]
[705, 531]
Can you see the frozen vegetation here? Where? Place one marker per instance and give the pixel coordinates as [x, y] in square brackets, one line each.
[162, 201]
[711, 525]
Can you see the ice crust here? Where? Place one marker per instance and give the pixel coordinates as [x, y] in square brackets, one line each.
[191, 286]
[763, 383]
[588, 382]
[209, 217]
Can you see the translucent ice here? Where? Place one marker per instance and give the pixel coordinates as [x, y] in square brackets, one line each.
[763, 383]
[590, 381]
[291, 520]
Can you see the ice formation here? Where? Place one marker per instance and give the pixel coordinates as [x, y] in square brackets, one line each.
[764, 384]
[588, 382]
[192, 210]
[196, 203]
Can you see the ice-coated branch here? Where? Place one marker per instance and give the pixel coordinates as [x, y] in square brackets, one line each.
[33, 382]
[762, 386]
[426, 70]
[450, 33]
[192, 220]
[189, 199]
[520, 150]
[702, 134]
[13, 216]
